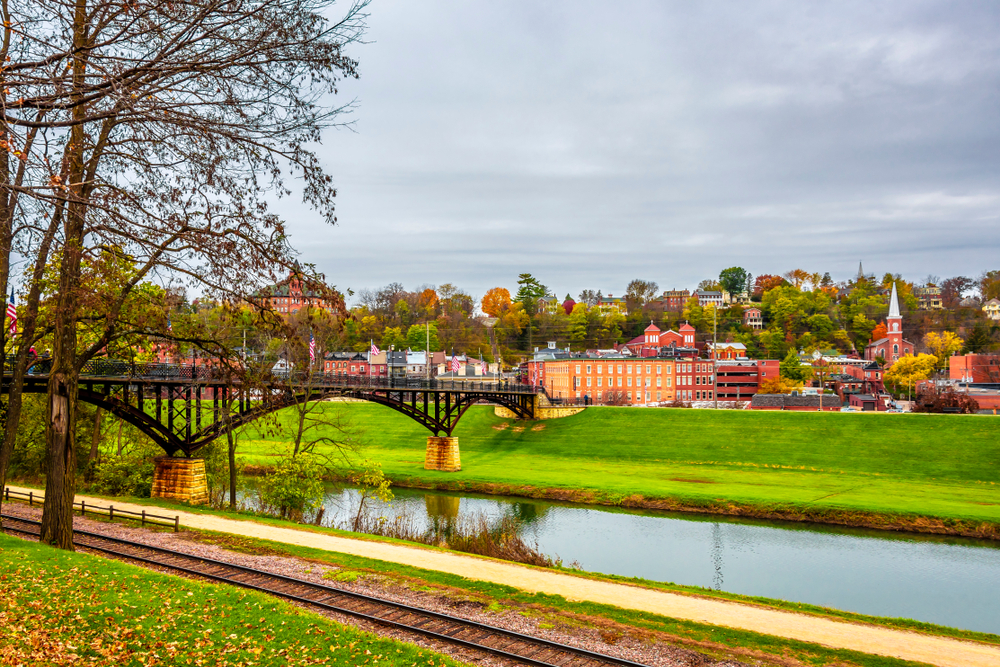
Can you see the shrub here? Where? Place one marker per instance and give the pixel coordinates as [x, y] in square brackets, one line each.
[294, 487]
[124, 476]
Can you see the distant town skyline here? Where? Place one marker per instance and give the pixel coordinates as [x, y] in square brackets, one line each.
[591, 145]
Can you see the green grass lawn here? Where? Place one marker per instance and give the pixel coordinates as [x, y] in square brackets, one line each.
[61, 608]
[945, 466]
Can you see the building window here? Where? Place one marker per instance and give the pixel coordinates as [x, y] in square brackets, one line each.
[588, 368]
[628, 368]
[588, 382]
[619, 369]
[659, 369]
[578, 368]
[658, 396]
[619, 382]
[630, 381]
[709, 395]
[599, 382]
[600, 368]
[630, 396]
[658, 382]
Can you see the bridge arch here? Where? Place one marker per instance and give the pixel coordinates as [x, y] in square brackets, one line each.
[170, 412]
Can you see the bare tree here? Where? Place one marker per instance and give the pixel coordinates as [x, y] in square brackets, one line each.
[639, 292]
[159, 129]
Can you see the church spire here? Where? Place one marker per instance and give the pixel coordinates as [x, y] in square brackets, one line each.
[894, 302]
[861, 272]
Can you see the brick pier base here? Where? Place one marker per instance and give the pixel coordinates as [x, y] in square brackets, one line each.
[179, 478]
[442, 454]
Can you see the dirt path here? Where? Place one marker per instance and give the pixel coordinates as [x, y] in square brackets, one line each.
[837, 634]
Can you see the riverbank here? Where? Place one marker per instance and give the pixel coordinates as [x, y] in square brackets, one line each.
[730, 623]
[915, 473]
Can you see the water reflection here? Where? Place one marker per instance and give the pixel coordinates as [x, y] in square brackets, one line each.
[949, 581]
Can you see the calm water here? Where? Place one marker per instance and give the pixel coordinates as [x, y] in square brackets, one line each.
[946, 581]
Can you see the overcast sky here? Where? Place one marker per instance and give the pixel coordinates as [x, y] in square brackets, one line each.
[593, 143]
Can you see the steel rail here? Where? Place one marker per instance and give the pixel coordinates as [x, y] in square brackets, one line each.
[423, 615]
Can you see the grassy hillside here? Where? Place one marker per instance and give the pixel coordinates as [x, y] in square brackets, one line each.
[934, 465]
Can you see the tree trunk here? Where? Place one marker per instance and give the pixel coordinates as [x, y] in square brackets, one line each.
[232, 468]
[60, 482]
[95, 438]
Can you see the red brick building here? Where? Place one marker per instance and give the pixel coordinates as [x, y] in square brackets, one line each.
[974, 368]
[290, 296]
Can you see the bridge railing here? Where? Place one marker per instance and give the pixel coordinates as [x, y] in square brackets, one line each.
[152, 371]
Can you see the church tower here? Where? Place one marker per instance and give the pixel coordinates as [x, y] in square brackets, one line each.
[894, 325]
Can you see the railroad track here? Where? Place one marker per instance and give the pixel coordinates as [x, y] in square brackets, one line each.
[442, 627]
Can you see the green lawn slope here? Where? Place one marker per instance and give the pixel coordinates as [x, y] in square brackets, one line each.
[932, 472]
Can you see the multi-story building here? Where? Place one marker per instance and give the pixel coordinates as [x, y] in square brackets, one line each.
[613, 379]
[345, 363]
[707, 297]
[928, 297]
[975, 368]
[695, 380]
[740, 380]
[753, 318]
[611, 303]
[290, 296]
[992, 309]
[674, 300]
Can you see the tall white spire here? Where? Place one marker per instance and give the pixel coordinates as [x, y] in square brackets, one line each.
[894, 303]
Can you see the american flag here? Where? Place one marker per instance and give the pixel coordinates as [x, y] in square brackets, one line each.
[170, 325]
[454, 363]
[375, 349]
[12, 314]
[312, 347]
[482, 366]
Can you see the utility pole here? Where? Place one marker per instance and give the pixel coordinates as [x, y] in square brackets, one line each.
[427, 352]
[715, 355]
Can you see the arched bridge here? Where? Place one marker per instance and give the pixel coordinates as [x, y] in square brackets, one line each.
[182, 408]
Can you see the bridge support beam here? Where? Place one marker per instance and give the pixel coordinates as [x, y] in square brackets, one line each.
[442, 454]
[179, 478]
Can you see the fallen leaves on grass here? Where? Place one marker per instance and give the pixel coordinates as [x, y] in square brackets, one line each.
[55, 611]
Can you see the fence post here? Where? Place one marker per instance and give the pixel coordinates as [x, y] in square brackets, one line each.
[143, 518]
[111, 513]
[31, 498]
[177, 523]
[83, 508]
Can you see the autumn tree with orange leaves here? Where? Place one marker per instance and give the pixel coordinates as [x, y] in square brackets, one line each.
[496, 301]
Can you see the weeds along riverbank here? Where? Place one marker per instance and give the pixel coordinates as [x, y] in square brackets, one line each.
[915, 473]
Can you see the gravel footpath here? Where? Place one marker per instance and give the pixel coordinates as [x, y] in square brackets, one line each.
[610, 640]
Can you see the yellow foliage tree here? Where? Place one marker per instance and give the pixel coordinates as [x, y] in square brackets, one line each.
[778, 385]
[909, 370]
[943, 345]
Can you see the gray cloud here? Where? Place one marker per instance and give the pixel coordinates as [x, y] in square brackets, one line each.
[592, 143]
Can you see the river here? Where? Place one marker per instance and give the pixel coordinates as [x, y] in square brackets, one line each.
[947, 581]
